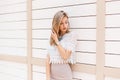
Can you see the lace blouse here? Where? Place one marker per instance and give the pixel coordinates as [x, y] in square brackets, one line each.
[68, 42]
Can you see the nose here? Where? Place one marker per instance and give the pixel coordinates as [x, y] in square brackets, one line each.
[64, 25]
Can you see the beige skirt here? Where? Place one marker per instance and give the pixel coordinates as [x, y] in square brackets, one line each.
[61, 72]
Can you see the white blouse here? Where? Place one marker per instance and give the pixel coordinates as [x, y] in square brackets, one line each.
[68, 42]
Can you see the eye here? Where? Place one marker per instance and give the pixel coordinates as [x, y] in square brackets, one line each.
[66, 22]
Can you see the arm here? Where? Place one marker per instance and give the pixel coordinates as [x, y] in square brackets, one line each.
[47, 68]
[65, 54]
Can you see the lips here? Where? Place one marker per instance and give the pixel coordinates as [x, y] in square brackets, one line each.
[64, 28]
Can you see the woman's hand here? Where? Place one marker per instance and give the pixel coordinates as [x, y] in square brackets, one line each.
[54, 36]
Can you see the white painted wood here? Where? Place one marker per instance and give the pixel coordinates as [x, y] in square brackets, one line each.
[83, 76]
[40, 44]
[87, 46]
[39, 53]
[39, 69]
[13, 42]
[112, 47]
[79, 22]
[81, 10]
[42, 4]
[13, 34]
[13, 17]
[13, 8]
[15, 71]
[6, 77]
[39, 76]
[13, 51]
[86, 58]
[47, 23]
[111, 78]
[13, 25]
[112, 34]
[9, 2]
[112, 60]
[41, 33]
[113, 7]
[112, 21]
[12, 64]
[85, 34]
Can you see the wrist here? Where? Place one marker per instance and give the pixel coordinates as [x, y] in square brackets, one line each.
[57, 43]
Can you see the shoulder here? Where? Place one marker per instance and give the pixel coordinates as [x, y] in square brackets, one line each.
[73, 34]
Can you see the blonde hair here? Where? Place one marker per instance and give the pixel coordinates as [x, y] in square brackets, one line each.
[56, 24]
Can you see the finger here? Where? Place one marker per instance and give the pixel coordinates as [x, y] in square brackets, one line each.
[68, 51]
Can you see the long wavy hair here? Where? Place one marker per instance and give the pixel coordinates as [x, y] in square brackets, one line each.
[56, 24]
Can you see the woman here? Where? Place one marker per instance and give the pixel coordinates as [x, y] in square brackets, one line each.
[61, 51]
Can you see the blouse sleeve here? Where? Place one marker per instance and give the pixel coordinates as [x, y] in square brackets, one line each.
[70, 42]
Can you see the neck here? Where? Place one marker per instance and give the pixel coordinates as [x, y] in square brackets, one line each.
[62, 33]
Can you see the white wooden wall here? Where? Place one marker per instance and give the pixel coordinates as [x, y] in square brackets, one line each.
[13, 38]
[82, 13]
[112, 38]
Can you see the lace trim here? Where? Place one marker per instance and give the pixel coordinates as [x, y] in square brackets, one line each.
[61, 61]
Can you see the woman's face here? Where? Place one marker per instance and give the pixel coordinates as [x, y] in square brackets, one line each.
[64, 25]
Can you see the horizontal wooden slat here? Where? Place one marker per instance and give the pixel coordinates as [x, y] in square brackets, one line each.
[13, 8]
[81, 10]
[112, 34]
[111, 78]
[13, 25]
[37, 61]
[39, 53]
[13, 70]
[13, 64]
[112, 72]
[85, 34]
[9, 2]
[113, 7]
[13, 34]
[41, 34]
[38, 76]
[112, 60]
[13, 42]
[8, 76]
[39, 69]
[83, 76]
[88, 46]
[13, 51]
[42, 4]
[84, 68]
[80, 22]
[13, 58]
[13, 17]
[112, 47]
[86, 58]
[112, 21]
[40, 44]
